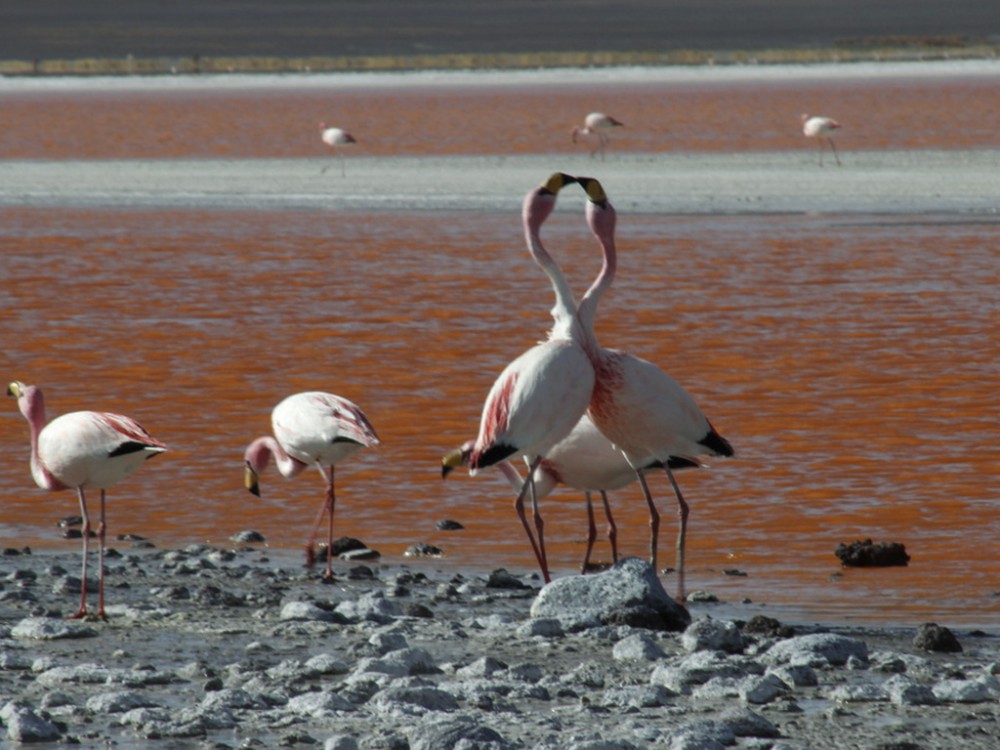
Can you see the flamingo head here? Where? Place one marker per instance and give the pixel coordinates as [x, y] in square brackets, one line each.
[805, 117]
[458, 457]
[29, 400]
[601, 215]
[539, 203]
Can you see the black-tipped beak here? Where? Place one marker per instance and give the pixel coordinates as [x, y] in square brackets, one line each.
[250, 481]
[594, 189]
[556, 182]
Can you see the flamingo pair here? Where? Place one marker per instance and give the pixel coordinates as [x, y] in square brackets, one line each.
[539, 399]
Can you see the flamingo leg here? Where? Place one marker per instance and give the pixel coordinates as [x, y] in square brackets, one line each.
[654, 517]
[682, 513]
[100, 562]
[82, 610]
[591, 532]
[519, 509]
[331, 502]
[310, 554]
[834, 149]
[539, 524]
[612, 528]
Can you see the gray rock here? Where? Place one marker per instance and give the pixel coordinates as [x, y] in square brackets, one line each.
[602, 745]
[327, 664]
[702, 735]
[304, 611]
[816, 650]
[933, 637]
[796, 676]
[637, 647]
[118, 702]
[50, 629]
[318, 704]
[340, 742]
[963, 691]
[903, 691]
[455, 733]
[422, 698]
[637, 696]
[745, 723]
[706, 634]
[80, 674]
[700, 667]
[25, 726]
[542, 627]
[370, 607]
[482, 667]
[628, 593]
[762, 689]
[865, 693]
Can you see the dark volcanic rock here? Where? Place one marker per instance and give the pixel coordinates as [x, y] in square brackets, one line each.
[867, 554]
[933, 637]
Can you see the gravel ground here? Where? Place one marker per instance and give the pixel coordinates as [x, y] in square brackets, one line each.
[243, 647]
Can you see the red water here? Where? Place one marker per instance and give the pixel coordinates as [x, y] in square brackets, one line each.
[851, 362]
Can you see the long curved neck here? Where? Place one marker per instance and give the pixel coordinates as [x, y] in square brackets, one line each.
[537, 207]
[32, 406]
[260, 452]
[601, 220]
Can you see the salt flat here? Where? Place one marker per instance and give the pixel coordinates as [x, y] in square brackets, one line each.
[910, 182]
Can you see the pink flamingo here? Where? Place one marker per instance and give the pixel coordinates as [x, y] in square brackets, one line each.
[595, 126]
[542, 394]
[817, 126]
[643, 411]
[583, 460]
[311, 428]
[83, 450]
[335, 138]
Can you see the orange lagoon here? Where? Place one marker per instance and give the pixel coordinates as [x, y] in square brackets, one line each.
[851, 359]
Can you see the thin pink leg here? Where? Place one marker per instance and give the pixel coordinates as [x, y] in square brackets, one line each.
[519, 509]
[100, 563]
[82, 611]
[612, 528]
[591, 532]
[539, 524]
[331, 502]
[310, 554]
[654, 518]
[682, 513]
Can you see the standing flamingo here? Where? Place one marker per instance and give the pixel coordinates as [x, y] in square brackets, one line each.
[542, 394]
[584, 460]
[817, 126]
[643, 411]
[311, 428]
[334, 138]
[83, 450]
[596, 125]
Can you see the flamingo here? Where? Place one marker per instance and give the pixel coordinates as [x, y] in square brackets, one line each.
[595, 125]
[334, 138]
[311, 428]
[83, 450]
[817, 126]
[541, 395]
[643, 411]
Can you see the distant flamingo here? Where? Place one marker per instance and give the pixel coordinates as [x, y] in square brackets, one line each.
[83, 450]
[643, 411]
[816, 126]
[596, 125]
[311, 428]
[335, 138]
[541, 395]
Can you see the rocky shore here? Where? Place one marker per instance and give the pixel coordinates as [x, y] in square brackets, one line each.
[244, 648]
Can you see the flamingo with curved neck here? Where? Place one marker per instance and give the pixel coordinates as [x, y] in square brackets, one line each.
[83, 450]
[643, 411]
[541, 395]
[311, 428]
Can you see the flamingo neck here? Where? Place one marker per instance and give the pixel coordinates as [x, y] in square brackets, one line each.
[32, 406]
[601, 220]
[537, 207]
[263, 449]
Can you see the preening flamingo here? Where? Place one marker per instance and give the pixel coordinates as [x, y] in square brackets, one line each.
[542, 394]
[311, 428]
[83, 450]
[643, 411]
[817, 126]
[584, 460]
[595, 126]
[335, 138]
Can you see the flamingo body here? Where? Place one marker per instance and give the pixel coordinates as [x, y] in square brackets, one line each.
[596, 126]
[335, 138]
[83, 450]
[310, 428]
[638, 406]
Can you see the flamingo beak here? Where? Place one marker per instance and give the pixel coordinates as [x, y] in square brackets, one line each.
[594, 189]
[250, 481]
[557, 181]
[452, 461]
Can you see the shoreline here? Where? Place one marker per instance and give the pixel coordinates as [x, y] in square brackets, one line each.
[243, 64]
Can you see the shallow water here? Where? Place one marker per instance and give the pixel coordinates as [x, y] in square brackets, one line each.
[849, 357]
